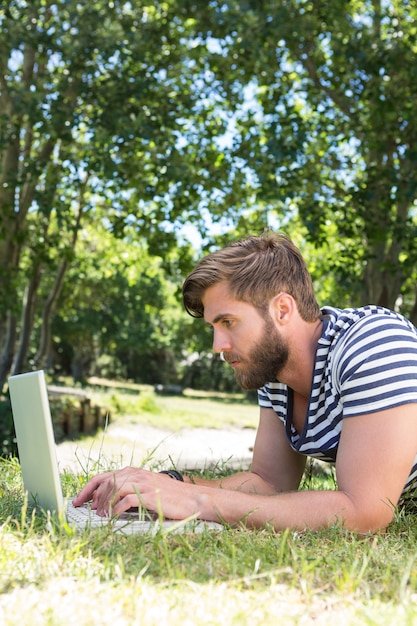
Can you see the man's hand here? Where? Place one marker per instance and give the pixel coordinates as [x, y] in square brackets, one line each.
[112, 493]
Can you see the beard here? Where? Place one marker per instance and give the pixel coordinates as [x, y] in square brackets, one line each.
[264, 361]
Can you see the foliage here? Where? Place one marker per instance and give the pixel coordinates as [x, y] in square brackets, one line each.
[102, 121]
[124, 122]
[329, 129]
[119, 311]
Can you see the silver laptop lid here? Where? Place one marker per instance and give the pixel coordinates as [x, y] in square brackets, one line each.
[35, 440]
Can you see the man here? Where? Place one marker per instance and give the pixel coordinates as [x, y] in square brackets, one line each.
[338, 385]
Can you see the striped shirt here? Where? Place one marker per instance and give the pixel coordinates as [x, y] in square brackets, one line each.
[366, 361]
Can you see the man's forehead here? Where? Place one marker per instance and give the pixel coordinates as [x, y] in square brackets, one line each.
[217, 295]
[219, 303]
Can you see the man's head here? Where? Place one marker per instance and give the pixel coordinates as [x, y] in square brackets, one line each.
[255, 269]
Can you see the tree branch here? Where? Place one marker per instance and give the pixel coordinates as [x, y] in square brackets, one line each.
[341, 102]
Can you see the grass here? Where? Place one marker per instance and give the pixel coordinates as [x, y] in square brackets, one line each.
[193, 409]
[50, 574]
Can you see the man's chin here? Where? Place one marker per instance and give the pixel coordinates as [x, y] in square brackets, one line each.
[248, 385]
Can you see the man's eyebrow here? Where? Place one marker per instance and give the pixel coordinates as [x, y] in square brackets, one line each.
[218, 318]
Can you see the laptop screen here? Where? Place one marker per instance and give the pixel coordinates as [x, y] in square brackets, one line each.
[35, 440]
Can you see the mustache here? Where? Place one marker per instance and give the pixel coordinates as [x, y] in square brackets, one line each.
[229, 357]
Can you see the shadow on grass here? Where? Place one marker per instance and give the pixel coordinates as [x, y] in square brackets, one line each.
[225, 398]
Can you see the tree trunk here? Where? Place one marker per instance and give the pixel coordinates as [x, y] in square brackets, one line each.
[49, 307]
[6, 356]
[47, 315]
[413, 313]
[28, 314]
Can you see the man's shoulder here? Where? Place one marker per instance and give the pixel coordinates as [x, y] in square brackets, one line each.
[338, 321]
[365, 333]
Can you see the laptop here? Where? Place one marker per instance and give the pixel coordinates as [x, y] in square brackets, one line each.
[40, 471]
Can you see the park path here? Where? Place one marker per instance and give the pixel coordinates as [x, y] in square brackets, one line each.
[142, 444]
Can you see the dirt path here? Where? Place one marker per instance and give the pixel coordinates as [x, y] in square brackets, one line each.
[140, 444]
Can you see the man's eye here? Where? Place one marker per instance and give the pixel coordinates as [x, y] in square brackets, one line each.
[227, 323]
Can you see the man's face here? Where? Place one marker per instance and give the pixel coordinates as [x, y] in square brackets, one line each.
[265, 359]
[250, 343]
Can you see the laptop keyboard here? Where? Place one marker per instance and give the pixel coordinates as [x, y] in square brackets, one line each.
[85, 515]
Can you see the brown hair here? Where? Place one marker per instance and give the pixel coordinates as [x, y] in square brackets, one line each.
[256, 269]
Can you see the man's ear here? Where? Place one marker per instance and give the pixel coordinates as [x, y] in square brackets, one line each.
[281, 308]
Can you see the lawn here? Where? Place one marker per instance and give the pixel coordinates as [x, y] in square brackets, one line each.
[50, 574]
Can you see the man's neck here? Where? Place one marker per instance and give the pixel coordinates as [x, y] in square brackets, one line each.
[298, 373]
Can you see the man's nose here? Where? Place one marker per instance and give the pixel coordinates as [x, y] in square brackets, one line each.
[221, 341]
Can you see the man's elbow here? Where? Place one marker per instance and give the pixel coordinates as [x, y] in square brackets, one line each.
[370, 520]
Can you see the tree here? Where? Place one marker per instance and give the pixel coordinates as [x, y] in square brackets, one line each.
[329, 130]
[119, 314]
[141, 116]
[100, 105]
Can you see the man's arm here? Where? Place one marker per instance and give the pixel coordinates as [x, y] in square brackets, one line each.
[275, 466]
[376, 453]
